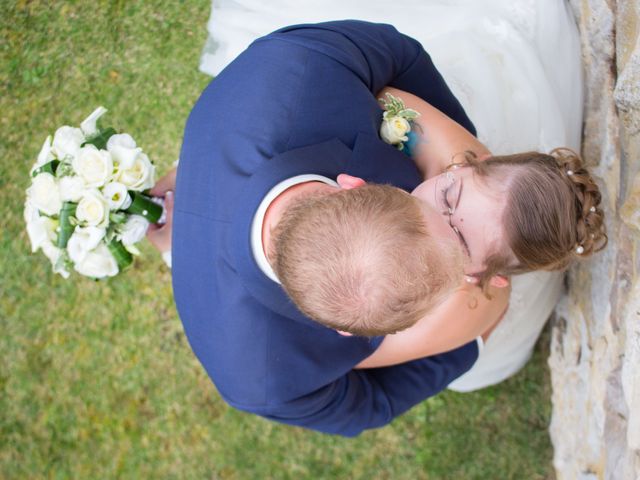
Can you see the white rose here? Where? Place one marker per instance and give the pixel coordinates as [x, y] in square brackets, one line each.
[88, 125]
[123, 149]
[98, 263]
[140, 176]
[93, 209]
[45, 155]
[394, 130]
[44, 194]
[71, 188]
[51, 251]
[93, 165]
[53, 254]
[83, 240]
[133, 230]
[41, 230]
[30, 211]
[121, 140]
[67, 141]
[117, 196]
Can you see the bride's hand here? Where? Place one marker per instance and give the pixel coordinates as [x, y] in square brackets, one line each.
[165, 184]
[160, 234]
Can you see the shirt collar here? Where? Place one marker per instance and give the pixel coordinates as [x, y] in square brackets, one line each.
[258, 219]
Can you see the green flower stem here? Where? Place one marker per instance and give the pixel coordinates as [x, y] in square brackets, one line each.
[49, 167]
[143, 205]
[121, 254]
[67, 211]
[100, 139]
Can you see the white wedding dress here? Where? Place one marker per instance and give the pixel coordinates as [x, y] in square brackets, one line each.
[514, 66]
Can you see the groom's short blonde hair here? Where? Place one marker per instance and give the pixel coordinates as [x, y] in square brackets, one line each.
[362, 260]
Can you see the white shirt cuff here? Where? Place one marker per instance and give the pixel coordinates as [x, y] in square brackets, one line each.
[256, 225]
[166, 256]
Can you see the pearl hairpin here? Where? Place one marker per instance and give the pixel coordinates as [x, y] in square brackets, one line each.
[579, 249]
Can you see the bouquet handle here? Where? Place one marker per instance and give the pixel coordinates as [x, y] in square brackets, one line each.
[143, 205]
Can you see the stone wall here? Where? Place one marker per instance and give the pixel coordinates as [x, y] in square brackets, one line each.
[595, 351]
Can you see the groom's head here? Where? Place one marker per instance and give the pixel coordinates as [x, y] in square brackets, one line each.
[363, 260]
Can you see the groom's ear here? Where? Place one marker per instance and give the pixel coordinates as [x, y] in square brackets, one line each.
[348, 182]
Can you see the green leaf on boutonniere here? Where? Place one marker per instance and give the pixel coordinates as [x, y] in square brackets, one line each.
[100, 139]
[49, 167]
[395, 107]
[66, 223]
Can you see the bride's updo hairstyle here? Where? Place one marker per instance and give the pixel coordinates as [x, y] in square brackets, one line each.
[552, 214]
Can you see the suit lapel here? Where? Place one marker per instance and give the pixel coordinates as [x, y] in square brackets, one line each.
[377, 162]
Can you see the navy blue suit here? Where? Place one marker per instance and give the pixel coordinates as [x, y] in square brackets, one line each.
[300, 100]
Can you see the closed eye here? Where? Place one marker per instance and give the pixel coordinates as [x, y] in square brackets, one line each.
[450, 210]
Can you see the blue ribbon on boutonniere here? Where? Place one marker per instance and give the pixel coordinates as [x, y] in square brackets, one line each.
[410, 145]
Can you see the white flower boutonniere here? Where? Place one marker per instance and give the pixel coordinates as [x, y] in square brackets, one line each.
[396, 121]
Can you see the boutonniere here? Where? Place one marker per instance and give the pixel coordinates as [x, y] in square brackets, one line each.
[396, 121]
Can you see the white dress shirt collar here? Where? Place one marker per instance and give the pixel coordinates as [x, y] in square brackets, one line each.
[258, 218]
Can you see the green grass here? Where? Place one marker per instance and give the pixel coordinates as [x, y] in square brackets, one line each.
[97, 379]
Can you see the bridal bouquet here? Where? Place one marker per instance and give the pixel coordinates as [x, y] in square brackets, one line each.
[85, 208]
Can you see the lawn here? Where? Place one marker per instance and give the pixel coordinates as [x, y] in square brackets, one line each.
[96, 378]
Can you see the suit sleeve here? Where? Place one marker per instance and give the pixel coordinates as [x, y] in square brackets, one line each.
[380, 56]
[365, 399]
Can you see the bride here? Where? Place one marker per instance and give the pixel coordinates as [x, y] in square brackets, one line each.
[501, 60]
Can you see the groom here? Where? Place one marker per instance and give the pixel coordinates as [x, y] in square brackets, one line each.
[300, 101]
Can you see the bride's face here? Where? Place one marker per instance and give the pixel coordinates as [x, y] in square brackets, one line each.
[470, 209]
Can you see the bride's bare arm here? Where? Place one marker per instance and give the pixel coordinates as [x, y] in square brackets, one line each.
[440, 139]
[465, 315]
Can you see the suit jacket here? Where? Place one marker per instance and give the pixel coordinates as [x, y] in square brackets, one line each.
[300, 100]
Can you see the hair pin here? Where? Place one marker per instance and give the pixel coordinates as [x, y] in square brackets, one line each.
[579, 249]
[569, 172]
[592, 209]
